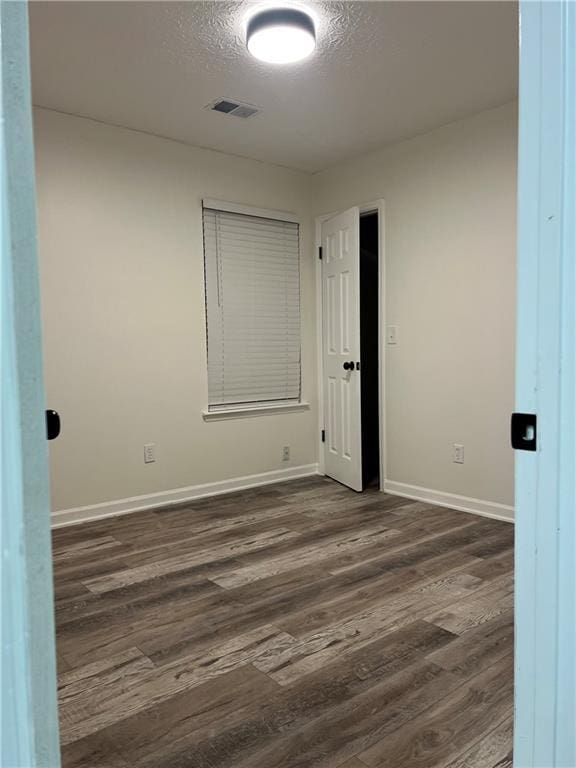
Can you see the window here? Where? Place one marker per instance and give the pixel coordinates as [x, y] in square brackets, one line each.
[252, 309]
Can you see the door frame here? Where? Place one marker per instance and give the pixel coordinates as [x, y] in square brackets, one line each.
[544, 733]
[29, 701]
[375, 206]
[545, 595]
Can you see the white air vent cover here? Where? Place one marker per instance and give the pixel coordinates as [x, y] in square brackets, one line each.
[231, 107]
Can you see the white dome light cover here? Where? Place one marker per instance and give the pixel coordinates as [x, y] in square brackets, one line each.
[281, 35]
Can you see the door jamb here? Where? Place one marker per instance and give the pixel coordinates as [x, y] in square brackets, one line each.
[375, 206]
[545, 703]
[29, 693]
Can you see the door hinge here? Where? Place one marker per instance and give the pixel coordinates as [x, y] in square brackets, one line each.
[323, 435]
[523, 431]
[320, 252]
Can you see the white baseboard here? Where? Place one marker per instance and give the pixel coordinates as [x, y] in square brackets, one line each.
[451, 500]
[177, 496]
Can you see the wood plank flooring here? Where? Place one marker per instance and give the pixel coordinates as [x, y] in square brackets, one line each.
[297, 625]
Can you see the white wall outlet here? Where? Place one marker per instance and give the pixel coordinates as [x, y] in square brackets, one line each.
[391, 334]
[458, 453]
[149, 453]
[286, 453]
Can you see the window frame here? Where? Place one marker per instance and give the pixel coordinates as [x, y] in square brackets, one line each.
[265, 407]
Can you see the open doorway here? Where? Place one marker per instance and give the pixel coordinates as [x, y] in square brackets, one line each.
[170, 665]
[369, 349]
[351, 275]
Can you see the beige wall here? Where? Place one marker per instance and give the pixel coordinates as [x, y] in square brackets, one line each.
[450, 200]
[123, 306]
[123, 303]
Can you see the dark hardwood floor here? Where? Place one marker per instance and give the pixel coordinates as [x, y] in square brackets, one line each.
[291, 626]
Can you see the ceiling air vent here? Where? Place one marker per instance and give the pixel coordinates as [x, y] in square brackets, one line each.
[236, 108]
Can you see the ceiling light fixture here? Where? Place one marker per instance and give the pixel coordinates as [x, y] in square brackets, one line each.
[281, 35]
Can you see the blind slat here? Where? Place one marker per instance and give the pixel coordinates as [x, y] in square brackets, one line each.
[252, 309]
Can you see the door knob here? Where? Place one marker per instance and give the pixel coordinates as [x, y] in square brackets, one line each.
[348, 366]
[52, 424]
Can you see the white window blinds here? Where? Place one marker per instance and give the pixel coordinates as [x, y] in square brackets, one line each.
[252, 308]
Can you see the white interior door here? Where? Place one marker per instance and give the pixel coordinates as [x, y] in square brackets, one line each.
[341, 348]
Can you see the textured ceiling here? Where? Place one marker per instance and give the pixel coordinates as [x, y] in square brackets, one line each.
[383, 71]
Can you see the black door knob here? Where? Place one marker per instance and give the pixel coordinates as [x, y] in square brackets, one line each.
[348, 366]
[52, 424]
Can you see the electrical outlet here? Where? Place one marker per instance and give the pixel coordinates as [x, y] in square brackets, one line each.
[458, 453]
[149, 453]
[286, 453]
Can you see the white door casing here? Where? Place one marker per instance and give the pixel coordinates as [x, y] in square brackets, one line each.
[545, 536]
[28, 669]
[340, 346]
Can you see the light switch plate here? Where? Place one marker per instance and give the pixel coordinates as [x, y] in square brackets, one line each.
[392, 334]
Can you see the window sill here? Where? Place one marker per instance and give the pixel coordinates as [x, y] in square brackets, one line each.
[246, 413]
